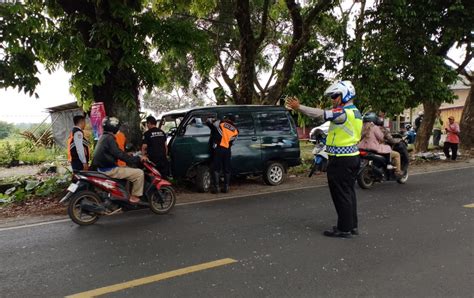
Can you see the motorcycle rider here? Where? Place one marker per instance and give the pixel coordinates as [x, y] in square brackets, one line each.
[107, 153]
[343, 136]
[373, 139]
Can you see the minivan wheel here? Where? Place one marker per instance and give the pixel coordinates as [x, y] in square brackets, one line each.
[203, 178]
[275, 173]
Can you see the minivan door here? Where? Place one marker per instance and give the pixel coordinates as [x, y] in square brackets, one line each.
[279, 139]
[191, 144]
[246, 154]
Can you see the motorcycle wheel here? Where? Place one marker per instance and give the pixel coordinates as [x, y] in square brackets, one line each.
[163, 205]
[75, 211]
[404, 178]
[364, 179]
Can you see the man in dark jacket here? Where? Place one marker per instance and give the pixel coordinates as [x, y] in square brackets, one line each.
[107, 153]
[154, 146]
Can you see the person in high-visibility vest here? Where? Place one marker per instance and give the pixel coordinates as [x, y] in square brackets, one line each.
[121, 141]
[78, 146]
[223, 134]
[341, 144]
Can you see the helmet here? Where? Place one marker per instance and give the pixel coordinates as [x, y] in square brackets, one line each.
[344, 88]
[370, 117]
[421, 113]
[111, 124]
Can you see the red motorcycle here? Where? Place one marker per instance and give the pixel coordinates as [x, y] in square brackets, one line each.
[93, 194]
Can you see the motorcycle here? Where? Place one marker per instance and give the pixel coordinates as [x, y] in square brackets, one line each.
[93, 194]
[377, 168]
[318, 138]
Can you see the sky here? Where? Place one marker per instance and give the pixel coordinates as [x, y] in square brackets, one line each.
[20, 108]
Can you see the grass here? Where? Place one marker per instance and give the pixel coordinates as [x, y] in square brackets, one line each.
[40, 155]
[306, 149]
[17, 149]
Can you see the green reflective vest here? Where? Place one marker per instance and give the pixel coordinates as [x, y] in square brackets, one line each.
[343, 138]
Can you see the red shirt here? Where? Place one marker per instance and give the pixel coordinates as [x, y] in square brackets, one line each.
[453, 133]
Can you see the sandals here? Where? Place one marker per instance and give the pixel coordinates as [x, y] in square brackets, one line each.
[134, 200]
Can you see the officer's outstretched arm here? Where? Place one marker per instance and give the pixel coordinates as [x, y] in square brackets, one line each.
[311, 112]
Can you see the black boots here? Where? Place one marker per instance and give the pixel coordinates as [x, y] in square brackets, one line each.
[215, 177]
[226, 183]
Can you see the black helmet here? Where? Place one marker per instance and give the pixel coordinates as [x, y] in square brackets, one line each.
[111, 124]
[370, 117]
[379, 121]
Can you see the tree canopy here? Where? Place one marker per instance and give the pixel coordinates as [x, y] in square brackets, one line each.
[238, 51]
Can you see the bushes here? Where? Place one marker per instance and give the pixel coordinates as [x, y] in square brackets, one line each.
[13, 153]
[40, 186]
[9, 154]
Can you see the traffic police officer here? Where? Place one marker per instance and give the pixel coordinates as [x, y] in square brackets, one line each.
[341, 145]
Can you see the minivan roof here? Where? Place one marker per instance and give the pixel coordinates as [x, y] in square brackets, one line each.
[222, 107]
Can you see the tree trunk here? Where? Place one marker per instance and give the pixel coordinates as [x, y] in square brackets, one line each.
[128, 114]
[467, 122]
[424, 132]
[247, 49]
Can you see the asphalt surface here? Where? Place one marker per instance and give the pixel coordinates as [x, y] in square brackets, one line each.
[417, 240]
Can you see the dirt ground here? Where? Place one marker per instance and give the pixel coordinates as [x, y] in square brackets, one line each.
[49, 208]
[19, 171]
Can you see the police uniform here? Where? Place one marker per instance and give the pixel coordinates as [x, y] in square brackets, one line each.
[344, 163]
[341, 144]
[223, 134]
[78, 149]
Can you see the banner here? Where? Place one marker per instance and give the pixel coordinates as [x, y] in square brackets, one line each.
[97, 114]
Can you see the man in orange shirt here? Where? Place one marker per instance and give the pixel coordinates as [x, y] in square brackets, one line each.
[223, 135]
[121, 141]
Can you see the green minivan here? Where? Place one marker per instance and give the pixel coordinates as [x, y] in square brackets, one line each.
[267, 143]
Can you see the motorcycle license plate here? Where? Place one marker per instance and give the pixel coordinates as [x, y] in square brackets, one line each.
[72, 188]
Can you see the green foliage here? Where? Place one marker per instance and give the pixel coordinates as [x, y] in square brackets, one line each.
[40, 155]
[111, 48]
[11, 153]
[400, 62]
[41, 186]
[6, 129]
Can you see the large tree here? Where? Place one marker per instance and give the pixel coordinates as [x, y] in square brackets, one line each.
[256, 43]
[408, 42]
[111, 48]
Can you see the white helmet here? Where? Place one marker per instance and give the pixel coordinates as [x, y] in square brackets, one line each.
[345, 88]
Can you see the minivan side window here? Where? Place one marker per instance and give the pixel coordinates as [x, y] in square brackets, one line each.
[274, 123]
[196, 126]
[244, 123]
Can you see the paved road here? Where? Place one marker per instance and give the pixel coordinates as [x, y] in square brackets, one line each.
[417, 240]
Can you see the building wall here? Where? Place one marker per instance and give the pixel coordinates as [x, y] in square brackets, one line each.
[447, 109]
